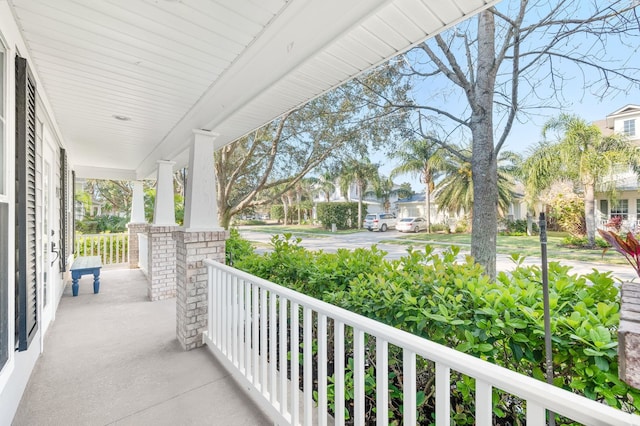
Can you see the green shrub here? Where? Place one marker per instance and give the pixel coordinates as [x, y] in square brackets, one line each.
[567, 214]
[439, 227]
[518, 227]
[277, 212]
[455, 304]
[461, 228]
[102, 223]
[583, 242]
[344, 215]
[237, 248]
[250, 222]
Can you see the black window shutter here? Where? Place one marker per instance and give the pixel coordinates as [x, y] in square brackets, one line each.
[26, 265]
[64, 216]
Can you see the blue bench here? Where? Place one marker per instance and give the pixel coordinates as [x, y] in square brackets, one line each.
[85, 265]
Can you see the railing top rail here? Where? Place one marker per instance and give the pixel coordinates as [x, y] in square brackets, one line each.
[558, 400]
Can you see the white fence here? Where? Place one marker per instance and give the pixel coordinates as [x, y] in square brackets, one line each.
[143, 252]
[249, 331]
[112, 248]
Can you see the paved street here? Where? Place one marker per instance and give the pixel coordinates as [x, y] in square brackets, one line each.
[332, 242]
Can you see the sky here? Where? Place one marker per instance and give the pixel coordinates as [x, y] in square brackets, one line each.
[575, 97]
[524, 136]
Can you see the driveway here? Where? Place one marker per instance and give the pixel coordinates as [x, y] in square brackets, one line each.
[332, 242]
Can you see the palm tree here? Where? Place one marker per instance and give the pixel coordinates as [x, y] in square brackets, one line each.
[360, 173]
[423, 158]
[326, 184]
[382, 188]
[455, 191]
[304, 188]
[580, 153]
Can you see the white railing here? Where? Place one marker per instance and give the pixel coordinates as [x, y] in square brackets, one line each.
[112, 248]
[249, 331]
[143, 252]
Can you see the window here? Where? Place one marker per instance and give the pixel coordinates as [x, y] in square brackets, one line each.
[629, 127]
[604, 210]
[620, 208]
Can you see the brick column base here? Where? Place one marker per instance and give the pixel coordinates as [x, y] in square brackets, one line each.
[191, 299]
[134, 247]
[162, 263]
[629, 335]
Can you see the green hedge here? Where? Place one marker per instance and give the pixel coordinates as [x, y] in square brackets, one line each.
[344, 215]
[455, 304]
[102, 223]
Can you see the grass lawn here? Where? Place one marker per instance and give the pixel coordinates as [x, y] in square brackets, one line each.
[526, 246]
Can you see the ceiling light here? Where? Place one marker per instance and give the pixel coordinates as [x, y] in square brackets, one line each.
[121, 117]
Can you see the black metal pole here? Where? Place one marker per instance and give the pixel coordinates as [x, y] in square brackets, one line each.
[547, 312]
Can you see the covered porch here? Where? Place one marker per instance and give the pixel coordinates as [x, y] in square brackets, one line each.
[131, 91]
[113, 358]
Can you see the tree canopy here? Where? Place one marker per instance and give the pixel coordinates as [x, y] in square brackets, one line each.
[340, 124]
[578, 151]
[476, 79]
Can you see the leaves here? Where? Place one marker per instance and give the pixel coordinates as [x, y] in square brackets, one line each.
[630, 248]
[435, 297]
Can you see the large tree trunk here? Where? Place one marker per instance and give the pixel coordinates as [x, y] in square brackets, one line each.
[225, 219]
[484, 165]
[286, 209]
[589, 213]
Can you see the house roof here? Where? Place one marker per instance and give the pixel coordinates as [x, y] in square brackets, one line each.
[415, 198]
[628, 109]
[127, 80]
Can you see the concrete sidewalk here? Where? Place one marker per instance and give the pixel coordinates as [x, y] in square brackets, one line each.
[113, 359]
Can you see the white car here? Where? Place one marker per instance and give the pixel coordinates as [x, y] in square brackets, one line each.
[411, 224]
[379, 221]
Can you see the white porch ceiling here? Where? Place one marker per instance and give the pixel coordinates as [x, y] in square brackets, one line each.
[228, 66]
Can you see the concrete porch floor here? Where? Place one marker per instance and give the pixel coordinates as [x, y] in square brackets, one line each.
[113, 359]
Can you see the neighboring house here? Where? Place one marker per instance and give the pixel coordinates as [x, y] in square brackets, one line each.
[626, 204]
[93, 208]
[373, 203]
[518, 208]
[416, 206]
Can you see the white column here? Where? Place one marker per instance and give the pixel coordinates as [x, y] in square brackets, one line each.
[201, 208]
[137, 203]
[164, 213]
